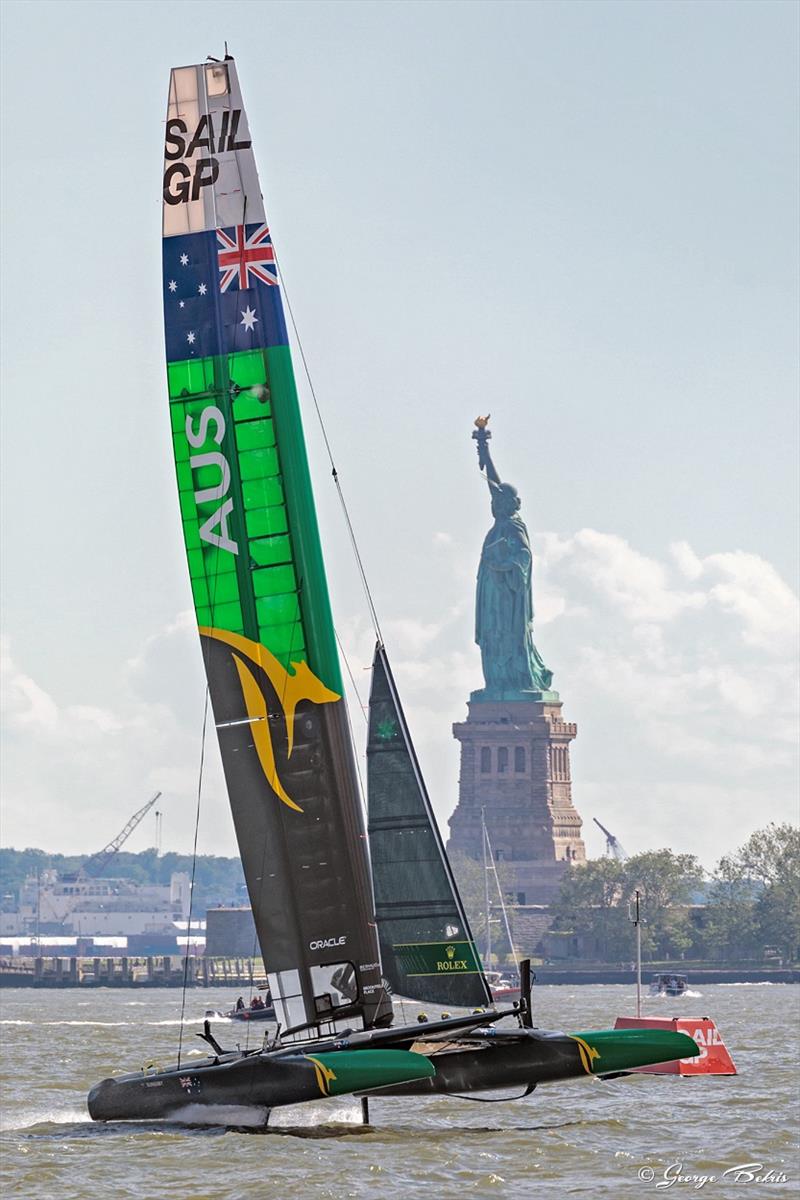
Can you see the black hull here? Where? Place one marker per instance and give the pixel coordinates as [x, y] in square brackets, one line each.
[262, 1082]
[251, 1014]
[485, 1059]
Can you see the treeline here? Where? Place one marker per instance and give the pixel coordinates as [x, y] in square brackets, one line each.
[750, 908]
[217, 880]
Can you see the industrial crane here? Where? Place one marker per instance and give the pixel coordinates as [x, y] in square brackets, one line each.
[613, 846]
[99, 861]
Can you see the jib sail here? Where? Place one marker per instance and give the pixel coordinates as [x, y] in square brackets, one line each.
[256, 567]
[427, 948]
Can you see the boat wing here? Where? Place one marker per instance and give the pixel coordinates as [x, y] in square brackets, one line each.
[256, 567]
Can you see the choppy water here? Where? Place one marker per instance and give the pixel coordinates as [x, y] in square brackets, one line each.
[582, 1138]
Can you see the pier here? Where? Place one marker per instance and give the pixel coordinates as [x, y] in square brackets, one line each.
[152, 971]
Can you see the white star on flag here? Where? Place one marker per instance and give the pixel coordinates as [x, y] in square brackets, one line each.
[173, 287]
[190, 337]
[184, 260]
[202, 289]
[181, 303]
[249, 318]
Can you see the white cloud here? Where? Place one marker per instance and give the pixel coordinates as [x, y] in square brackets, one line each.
[685, 699]
[74, 773]
[686, 560]
[752, 590]
[638, 586]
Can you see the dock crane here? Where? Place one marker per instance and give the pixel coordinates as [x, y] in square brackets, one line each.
[96, 863]
[613, 846]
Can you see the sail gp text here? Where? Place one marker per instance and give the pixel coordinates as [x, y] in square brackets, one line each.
[182, 180]
[746, 1172]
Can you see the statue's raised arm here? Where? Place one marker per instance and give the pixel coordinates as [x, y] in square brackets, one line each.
[512, 666]
[482, 434]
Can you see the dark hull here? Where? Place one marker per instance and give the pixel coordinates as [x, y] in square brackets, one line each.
[251, 1014]
[486, 1059]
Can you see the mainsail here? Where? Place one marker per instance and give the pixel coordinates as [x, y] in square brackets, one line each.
[427, 948]
[256, 567]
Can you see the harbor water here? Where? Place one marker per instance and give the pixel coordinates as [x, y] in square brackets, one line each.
[634, 1136]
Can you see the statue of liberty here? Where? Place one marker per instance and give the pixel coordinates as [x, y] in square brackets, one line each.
[504, 605]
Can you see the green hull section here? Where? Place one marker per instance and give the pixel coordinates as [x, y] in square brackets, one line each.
[606, 1051]
[361, 1070]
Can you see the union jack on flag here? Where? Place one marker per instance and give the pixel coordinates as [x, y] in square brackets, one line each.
[246, 259]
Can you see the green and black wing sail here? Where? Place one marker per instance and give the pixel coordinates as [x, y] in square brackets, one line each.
[427, 949]
[256, 568]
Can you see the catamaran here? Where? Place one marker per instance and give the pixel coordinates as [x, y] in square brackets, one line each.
[345, 916]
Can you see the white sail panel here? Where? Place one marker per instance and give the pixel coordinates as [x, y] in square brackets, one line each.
[210, 178]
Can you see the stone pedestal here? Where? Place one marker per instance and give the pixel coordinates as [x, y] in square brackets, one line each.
[515, 766]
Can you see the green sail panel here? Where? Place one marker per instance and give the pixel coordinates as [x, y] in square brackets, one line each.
[256, 568]
[427, 949]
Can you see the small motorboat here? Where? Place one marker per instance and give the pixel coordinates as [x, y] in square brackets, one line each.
[667, 983]
[257, 1010]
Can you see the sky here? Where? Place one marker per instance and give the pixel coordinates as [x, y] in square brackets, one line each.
[581, 218]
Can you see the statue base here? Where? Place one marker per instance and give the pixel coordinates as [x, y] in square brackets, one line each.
[515, 775]
[493, 696]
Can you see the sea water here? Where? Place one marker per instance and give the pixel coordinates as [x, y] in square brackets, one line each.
[635, 1136]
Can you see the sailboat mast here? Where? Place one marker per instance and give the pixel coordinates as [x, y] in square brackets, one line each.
[637, 922]
[487, 901]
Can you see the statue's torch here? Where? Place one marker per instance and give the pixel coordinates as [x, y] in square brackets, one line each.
[482, 435]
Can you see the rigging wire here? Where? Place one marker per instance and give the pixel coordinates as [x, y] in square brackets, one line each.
[348, 522]
[194, 865]
[353, 542]
[364, 708]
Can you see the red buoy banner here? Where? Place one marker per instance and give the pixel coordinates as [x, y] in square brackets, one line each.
[712, 1054]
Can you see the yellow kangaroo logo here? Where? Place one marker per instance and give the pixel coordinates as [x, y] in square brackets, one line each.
[324, 1075]
[290, 688]
[588, 1053]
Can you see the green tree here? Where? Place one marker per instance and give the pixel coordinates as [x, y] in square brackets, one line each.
[594, 898]
[667, 882]
[590, 904]
[767, 867]
[730, 928]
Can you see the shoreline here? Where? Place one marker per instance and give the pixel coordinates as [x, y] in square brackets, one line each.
[45, 976]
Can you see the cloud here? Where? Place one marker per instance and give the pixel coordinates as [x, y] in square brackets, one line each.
[637, 586]
[679, 669]
[74, 772]
[751, 589]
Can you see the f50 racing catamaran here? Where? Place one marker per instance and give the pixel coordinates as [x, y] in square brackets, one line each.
[269, 650]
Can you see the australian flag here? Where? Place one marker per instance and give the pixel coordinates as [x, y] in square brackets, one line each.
[221, 293]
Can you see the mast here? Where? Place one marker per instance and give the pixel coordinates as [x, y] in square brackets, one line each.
[487, 902]
[635, 917]
[489, 864]
[256, 568]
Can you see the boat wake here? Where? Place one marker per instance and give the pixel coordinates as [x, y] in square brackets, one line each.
[29, 1118]
[752, 983]
[238, 1116]
[312, 1114]
[110, 1024]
